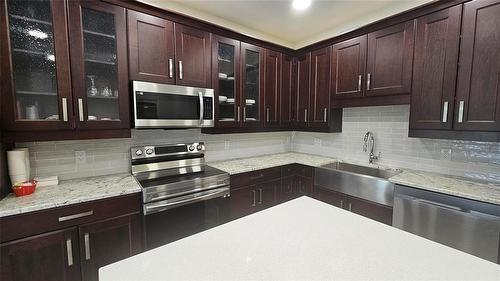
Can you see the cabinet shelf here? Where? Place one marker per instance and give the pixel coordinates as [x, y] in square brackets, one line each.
[225, 60]
[30, 52]
[111, 36]
[102, 98]
[100, 61]
[30, 19]
[34, 93]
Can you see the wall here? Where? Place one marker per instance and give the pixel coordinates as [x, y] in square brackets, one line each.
[390, 125]
[113, 156]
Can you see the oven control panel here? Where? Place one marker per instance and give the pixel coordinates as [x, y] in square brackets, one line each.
[139, 152]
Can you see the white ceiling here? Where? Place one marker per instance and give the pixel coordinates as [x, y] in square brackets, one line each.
[275, 20]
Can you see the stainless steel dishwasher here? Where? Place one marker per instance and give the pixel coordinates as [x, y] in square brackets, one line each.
[463, 224]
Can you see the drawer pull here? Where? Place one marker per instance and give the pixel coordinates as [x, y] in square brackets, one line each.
[260, 195]
[254, 195]
[87, 246]
[76, 216]
[257, 177]
[69, 251]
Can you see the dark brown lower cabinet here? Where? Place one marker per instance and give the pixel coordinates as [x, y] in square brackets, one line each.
[329, 196]
[287, 190]
[250, 199]
[50, 256]
[108, 241]
[304, 186]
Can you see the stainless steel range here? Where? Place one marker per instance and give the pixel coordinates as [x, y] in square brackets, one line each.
[181, 195]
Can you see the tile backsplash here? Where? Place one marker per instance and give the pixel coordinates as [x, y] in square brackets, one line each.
[388, 123]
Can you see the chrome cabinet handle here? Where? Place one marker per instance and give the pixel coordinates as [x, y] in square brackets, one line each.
[350, 206]
[80, 109]
[202, 109]
[257, 177]
[325, 114]
[461, 112]
[69, 251]
[238, 114]
[170, 68]
[305, 115]
[368, 81]
[360, 79]
[267, 112]
[260, 195]
[181, 74]
[65, 109]
[87, 246]
[342, 204]
[445, 112]
[254, 195]
[244, 113]
[76, 216]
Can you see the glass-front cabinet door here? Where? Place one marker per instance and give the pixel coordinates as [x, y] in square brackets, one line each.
[226, 53]
[252, 76]
[37, 93]
[99, 65]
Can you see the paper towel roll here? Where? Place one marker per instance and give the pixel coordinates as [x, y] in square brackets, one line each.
[16, 161]
[27, 157]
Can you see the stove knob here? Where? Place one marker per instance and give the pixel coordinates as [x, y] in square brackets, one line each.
[191, 147]
[138, 152]
[149, 151]
[199, 147]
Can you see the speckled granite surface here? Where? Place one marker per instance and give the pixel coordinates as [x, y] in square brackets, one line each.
[243, 165]
[462, 187]
[70, 192]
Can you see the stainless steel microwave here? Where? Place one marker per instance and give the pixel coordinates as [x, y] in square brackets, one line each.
[170, 106]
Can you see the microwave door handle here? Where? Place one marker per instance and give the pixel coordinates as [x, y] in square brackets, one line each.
[200, 96]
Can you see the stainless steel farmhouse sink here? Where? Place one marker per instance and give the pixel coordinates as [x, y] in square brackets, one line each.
[367, 183]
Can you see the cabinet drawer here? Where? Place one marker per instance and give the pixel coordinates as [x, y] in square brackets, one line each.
[297, 170]
[255, 177]
[19, 226]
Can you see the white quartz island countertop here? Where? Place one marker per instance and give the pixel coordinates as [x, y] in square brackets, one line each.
[69, 192]
[243, 165]
[303, 239]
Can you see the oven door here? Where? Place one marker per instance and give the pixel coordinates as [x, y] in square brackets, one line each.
[185, 218]
[171, 106]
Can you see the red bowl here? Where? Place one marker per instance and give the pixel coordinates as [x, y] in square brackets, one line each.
[24, 188]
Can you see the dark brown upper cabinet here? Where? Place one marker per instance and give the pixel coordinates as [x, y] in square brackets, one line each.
[165, 52]
[226, 81]
[99, 66]
[348, 67]
[303, 82]
[36, 82]
[252, 84]
[192, 53]
[390, 60]
[319, 94]
[272, 88]
[435, 70]
[477, 106]
[288, 98]
[151, 48]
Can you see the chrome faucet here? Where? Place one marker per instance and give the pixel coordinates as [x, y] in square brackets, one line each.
[369, 144]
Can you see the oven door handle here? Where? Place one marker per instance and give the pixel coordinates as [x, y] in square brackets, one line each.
[169, 204]
[200, 96]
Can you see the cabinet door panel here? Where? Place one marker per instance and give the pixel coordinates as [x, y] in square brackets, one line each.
[36, 82]
[192, 52]
[370, 210]
[151, 48]
[434, 72]
[99, 65]
[331, 197]
[242, 202]
[288, 98]
[303, 82]
[226, 79]
[266, 193]
[288, 189]
[272, 88]
[252, 85]
[319, 104]
[108, 241]
[348, 67]
[390, 59]
[478, 77]
[304, 186]
[44, 257]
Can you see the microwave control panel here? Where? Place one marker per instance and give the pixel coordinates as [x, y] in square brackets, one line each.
[208, 108]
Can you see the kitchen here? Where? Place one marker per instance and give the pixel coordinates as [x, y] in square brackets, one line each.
[141, 138]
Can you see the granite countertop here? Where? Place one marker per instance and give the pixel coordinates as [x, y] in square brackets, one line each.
[243, 165]
[70, 192]
[462, 187]
[301, 240]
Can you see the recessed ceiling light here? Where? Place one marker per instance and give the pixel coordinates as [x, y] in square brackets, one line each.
[301, 4]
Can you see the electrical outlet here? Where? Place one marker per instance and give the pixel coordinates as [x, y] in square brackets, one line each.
[317, 142]
[446, 153]
[227, 144]
[80, 157]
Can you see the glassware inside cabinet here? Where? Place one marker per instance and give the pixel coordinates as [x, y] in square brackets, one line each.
[251, 88]
[34, 68]
[101, 68]
[227, 84]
